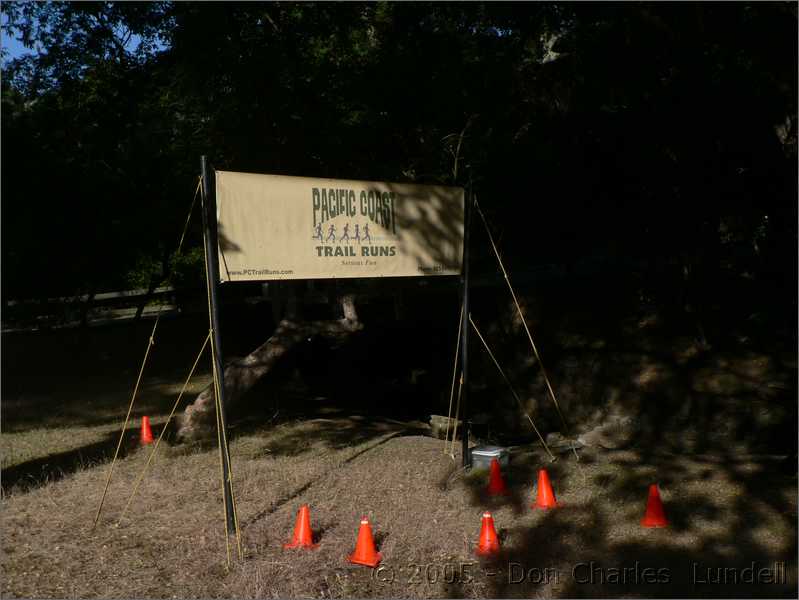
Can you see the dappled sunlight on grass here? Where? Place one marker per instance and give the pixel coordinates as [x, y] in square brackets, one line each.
[723, 510]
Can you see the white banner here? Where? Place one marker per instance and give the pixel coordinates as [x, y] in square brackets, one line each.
[278, 227]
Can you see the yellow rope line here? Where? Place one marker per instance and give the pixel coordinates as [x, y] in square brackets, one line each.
[454, 376]
[221, 459]
[216, 401]
[141, 370]
[163, 431]
[524, 323]
[222, 435]
[127, 420]
[226, 449]
[216, 398]
[224, 442]
[188, 217]
[233, 496]
[457, 409]
[235, 511]
[513, 391]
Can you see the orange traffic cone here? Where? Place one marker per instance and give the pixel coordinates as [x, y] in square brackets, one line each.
[365, 552]
[489, 543]
[146, 433]
[654, 517]
[302, 530]
[546, 497]
[496, 485]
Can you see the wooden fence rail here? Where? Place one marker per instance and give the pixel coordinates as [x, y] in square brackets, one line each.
[88, 309]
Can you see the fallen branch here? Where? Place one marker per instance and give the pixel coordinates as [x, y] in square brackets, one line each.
[198, 420]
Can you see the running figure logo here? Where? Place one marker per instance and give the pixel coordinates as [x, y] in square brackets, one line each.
[359, 234]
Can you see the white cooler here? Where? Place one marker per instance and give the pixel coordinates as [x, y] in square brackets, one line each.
[482, 455]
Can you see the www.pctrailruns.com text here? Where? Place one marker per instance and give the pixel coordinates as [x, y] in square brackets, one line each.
[263, 272]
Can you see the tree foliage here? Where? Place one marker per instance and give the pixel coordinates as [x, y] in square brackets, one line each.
[638, 130]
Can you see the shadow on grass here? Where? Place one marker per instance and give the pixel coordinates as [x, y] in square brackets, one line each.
[299, 491]
[574, 552]
[34, 473]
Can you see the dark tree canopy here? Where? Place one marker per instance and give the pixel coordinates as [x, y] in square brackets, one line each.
[661, 131]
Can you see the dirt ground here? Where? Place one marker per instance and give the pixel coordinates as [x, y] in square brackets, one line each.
[732, 515]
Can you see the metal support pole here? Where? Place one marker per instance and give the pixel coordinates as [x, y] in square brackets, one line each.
[467, 459]
[212, 254]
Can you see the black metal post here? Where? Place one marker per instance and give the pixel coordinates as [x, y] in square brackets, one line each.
[467, 459]
[212, 259]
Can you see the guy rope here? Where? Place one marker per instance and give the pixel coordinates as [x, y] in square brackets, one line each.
[513, 391]
[524, 324]
[150, 344]
[221, 435]
[452, 392]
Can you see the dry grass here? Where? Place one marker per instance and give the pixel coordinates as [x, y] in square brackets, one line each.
[726, 510]
[171, 543]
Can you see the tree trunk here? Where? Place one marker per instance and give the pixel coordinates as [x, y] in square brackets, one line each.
[199, 419]
[151, 287]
